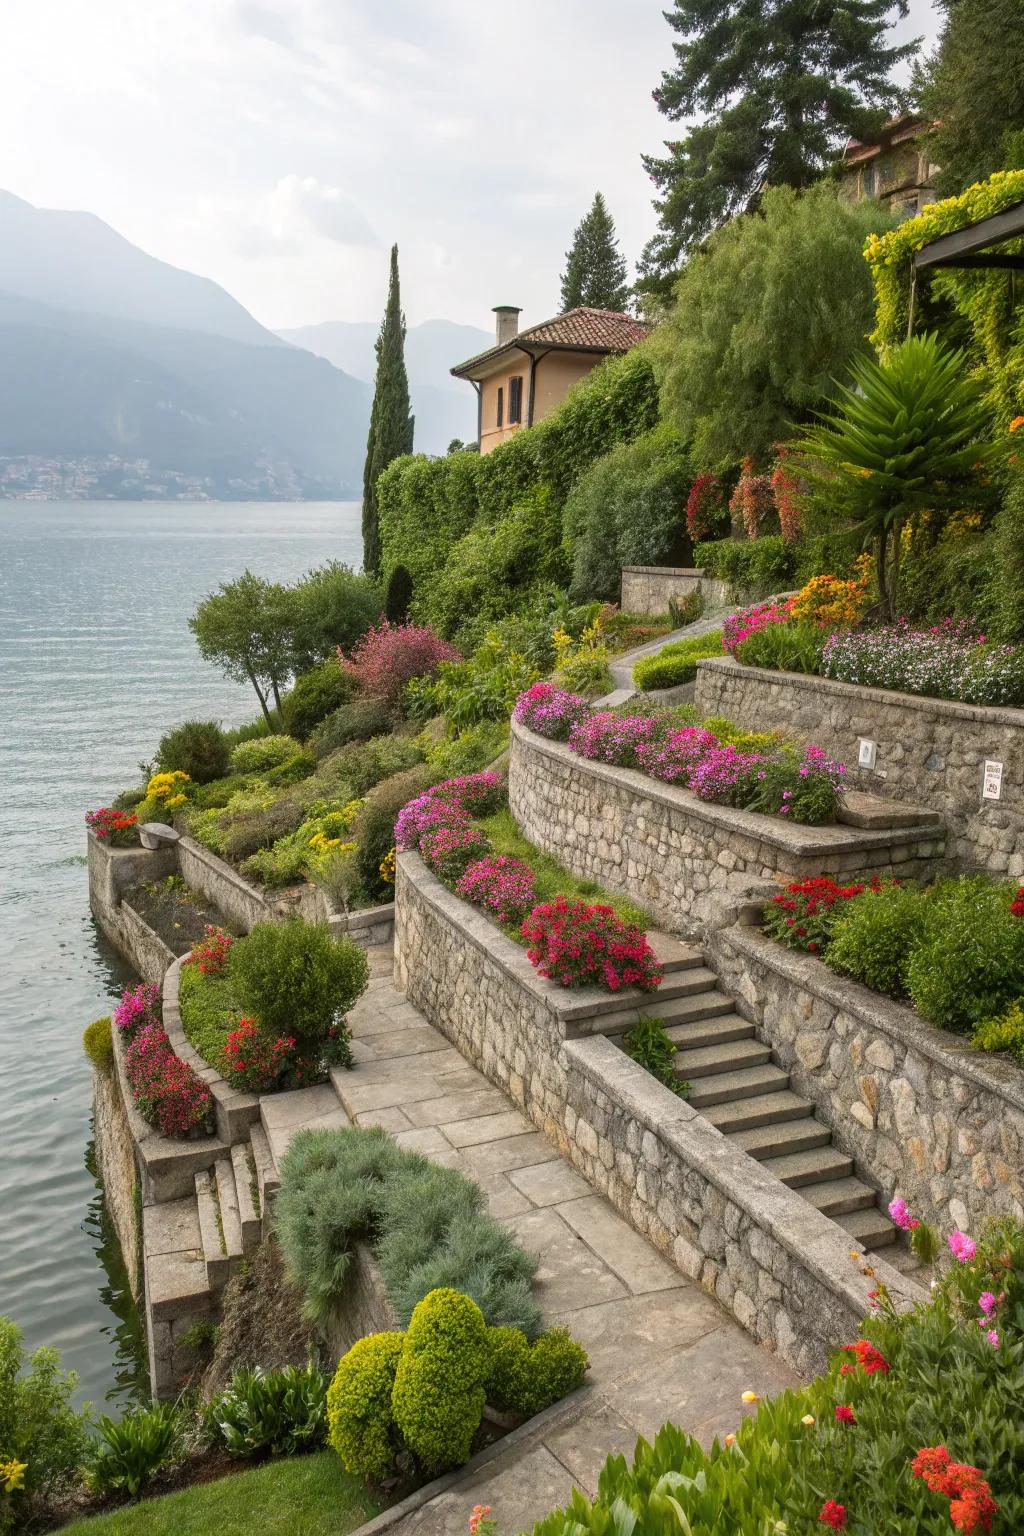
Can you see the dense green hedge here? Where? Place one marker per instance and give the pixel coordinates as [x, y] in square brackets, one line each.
[753, 567]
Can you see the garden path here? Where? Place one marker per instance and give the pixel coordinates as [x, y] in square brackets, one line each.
[660, 1348]
[621, 667]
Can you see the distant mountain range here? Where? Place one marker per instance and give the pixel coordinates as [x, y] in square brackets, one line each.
[123, 375]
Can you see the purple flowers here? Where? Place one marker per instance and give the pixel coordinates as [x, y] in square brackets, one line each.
[550, 711]
[901, 1216]
[608, 738]
[948, 661]
[448, 804]
[501, 885]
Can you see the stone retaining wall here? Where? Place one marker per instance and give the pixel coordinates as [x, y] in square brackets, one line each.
[928, 1118]
[364, 1307]
[649, 588]
[687, 861]
[780, 1266]
[235, 1109]
[931, 752]
[115, 1160]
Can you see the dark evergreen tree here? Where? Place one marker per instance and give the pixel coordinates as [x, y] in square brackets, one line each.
[391, 424]
[777, 88]
[595, 269]
[973, 88]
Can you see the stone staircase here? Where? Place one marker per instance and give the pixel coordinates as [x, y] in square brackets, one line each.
[737, 1086]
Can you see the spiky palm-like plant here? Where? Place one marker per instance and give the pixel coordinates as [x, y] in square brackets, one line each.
[907, 436]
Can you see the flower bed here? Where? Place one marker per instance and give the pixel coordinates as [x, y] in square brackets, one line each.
[915, 1427]
[772, 779]
[167, 1092]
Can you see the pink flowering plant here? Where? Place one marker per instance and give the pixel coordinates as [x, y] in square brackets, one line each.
[579, 944]
[390, 655]
[948, 661]
[139, 1006]
[739, 626]
[550, 711]
[671, 756]
[605, 737]
[502, 885]
[167, 1092]
[446, 849]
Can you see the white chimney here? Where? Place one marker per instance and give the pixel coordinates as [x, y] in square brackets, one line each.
[507, 328]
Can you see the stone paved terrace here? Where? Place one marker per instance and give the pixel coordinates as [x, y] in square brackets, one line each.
[660, 1348]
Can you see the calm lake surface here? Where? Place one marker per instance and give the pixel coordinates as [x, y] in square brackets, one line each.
[96, 660]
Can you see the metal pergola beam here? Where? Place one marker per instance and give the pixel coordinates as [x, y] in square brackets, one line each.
[949, 250]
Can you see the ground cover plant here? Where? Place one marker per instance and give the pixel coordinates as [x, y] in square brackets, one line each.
[914, 1430]
[268, 1011]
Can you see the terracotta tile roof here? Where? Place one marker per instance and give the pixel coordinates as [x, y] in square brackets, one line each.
[583, 329]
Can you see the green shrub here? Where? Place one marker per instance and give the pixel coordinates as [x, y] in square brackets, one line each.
[242, 833]
[271, 1413]
[1005, 1033]
[525, 1378]
[97, 1038]
[132, 1450]
[676, 662]
[438, 1397]
[292, 771]
[359, 1412]
[731, 734]
[357, 720]
[970, 964]
[791, 647]
[362, 765]
[752, 567]
[422, 1220]
[263, 752]
[1009, 565]
[196, 747]
[328, 607]
[128, 799]
[38, 1425]
[296, 978]
[374, 827]
[398, 598]
[315, 695]
[875, 935]
[688, 611]
[468, 751]
[649, 1045]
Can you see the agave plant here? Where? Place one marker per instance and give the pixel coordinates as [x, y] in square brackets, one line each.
[907, 436]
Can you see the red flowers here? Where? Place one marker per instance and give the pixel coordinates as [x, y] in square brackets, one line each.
[580, 945]
[802, 915]
[1017, 904]
[167, 1092]
[971, 1506]
[868, 1357]
[845, 1414]
[705, 507]
[210, 953]
[833, 1515]
[256, 1062]
[112, 826]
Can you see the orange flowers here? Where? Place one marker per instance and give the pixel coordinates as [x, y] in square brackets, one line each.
[971, 1505]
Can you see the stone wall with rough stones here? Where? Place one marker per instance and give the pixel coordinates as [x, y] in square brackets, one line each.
[115, 1159]
[925, 1115]
[683, 859]
[780, 1266]
[930, 752]
[649, 588]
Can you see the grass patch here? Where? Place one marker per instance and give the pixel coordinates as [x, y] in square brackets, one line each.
[209, 1012]
[297, 1496]
[551, 879]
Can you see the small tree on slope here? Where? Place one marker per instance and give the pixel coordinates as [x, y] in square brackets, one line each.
[595, 269]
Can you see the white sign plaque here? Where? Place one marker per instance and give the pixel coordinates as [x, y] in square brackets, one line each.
[866, 753]
[992, 783]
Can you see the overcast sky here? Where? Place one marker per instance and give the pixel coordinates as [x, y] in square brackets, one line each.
[279, 146]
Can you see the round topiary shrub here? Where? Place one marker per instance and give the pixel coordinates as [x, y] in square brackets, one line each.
[439, 1396]
[97, 1038]
[315, 695]
[361, 1422]
[296, 978]
[526, 1378]
[196, 747]
[263, 752]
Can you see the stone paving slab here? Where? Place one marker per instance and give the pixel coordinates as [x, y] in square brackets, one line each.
[549, 1183]
[638, 1265]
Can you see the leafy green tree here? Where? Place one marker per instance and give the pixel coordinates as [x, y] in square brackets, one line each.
[391, 423]
[973, 88]
[245, 628]
[905, 437]
[595, 269]
[776, 88]
[330, 606]
[767, 316]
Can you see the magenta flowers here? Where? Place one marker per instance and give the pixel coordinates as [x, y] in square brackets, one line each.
[501, 885]
[962, 1247]
[550, 711]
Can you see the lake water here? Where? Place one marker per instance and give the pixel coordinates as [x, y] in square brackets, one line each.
[96, 660]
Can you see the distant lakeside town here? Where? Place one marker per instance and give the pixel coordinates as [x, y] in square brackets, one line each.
[109, 478]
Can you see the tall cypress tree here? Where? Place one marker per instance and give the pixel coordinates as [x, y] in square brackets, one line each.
[973, 87]
[777, 87]
[595, 269]
[391, 423]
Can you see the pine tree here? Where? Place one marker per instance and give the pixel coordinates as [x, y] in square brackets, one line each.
[595, 269]
[391, 424]
[973, 87]
[777, 87]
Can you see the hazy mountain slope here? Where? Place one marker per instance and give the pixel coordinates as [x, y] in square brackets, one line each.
[74, 261]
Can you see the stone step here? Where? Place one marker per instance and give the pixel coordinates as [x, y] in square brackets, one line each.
[813, 1165]
[218, 1265]
[673, 954]
[838, 1197]
[765, 1109]
[227, 1200]
[248, 1195]
[606, 1005]
[875, 813]
[675, 1010]
[869, 1227]
[724, 1056]
[779, 1139]
[716, 1030]
[748, 1083]
[268, 1180]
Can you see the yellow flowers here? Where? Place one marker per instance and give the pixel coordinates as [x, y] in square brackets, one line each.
[12, 1475]
[168, 787]
[387, 867]
[808, 1419]
[749, 1397]
[321, 843]
[832, 603]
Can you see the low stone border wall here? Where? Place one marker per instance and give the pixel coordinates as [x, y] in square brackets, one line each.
[780, 1266]
[649, 588]
[687, 861]
[364, 1306]
[931, 752]
[112, 871]
[932, 1120]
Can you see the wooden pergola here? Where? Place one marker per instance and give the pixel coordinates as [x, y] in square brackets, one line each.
[974, 246]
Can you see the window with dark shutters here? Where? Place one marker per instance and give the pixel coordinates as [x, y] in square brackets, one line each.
[515, 399]
[501, 407]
